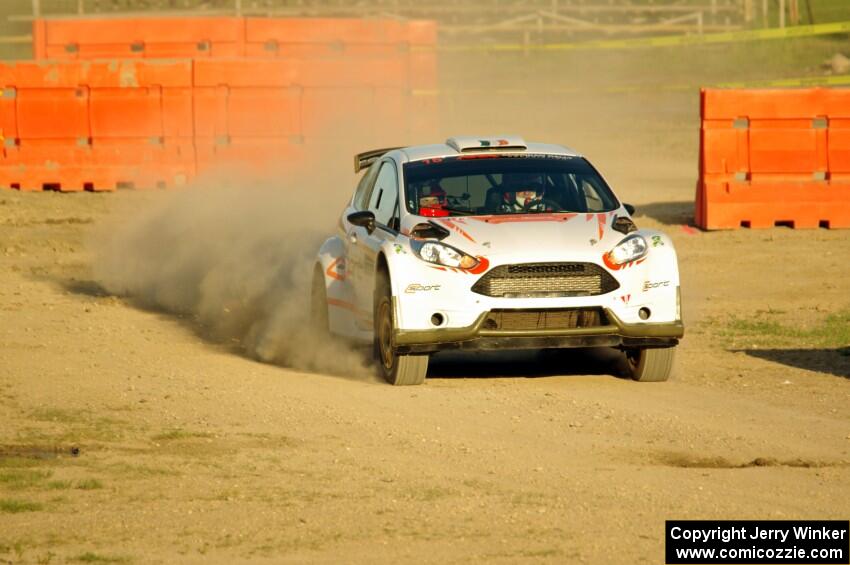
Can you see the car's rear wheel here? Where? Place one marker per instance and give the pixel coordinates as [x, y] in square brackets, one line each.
[319, 302]
[649, 365]
[396, 369]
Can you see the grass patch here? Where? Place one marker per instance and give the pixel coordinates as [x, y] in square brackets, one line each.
[178, 434]
[673, 66]
[56, 415]
[542, 553]
[75, 426]
[825, 11]
[88, 484]
[17, 547]
[128, 471]
[74, 434]
[59, 485]
[89, 557]
[22, 479]
[225, 495]
[11, 506]
[764, 329]
[16, 462]
[529, 498]
[433, 493]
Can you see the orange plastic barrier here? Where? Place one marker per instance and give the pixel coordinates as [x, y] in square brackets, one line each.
[96, 125]
[39, 40]
[89, 123]
[247, 111]
[774, 157]
[335, 37]
[304, 73]
[138, 38]
[203, 37]
[101, 125]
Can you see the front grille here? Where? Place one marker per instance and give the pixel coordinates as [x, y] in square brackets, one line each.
[545, 279]
[513, 320]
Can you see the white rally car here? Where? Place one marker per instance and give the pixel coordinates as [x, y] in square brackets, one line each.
[494, 243]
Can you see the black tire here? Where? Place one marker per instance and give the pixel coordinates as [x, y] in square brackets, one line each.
[319, 302]
[399, 370]
[650, 365]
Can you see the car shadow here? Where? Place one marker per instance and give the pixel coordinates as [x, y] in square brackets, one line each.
[828, 361]
[526, 363]
[668, 213]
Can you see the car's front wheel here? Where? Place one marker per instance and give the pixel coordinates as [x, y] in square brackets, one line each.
[649, 365]
[396, 369]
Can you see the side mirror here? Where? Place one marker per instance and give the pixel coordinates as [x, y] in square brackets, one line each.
[364, 219]
[629, 208]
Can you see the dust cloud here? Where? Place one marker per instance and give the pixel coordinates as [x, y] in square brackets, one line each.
[237, 258]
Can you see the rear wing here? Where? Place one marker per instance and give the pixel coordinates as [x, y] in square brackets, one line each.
[365, 159]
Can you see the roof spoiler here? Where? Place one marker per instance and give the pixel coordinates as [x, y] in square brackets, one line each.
[365, 159]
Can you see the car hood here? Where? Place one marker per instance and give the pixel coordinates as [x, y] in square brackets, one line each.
[533, 237]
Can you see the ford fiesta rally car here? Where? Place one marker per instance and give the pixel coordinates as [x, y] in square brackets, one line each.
[494, 243]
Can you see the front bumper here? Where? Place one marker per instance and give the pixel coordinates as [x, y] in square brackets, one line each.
[613, 333]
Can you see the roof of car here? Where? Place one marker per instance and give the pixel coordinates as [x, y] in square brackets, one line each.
[420, 152]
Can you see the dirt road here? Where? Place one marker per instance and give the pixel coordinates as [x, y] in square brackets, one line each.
[192, 451]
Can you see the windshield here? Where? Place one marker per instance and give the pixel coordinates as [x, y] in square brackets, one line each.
[500, 184]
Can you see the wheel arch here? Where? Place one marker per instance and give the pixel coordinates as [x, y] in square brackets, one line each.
[382, 269]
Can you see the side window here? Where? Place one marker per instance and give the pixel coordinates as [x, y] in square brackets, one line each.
[385, 194]
[366, 182]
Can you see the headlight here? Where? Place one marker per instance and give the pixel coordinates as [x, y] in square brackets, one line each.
[630, 249]
[442, 254]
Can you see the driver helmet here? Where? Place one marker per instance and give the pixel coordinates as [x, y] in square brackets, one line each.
[432, 201]
[525, 196]
[522, 189]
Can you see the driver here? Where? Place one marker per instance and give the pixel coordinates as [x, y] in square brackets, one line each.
[524, 194]
[432, 201]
